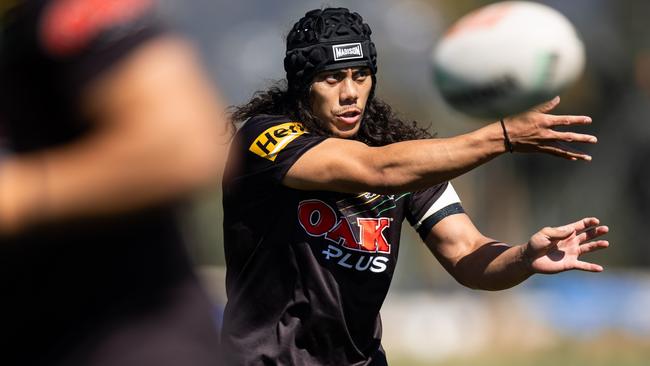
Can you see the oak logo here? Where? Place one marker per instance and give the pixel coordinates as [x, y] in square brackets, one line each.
[270, 142]
[320, 220]
[347, 51]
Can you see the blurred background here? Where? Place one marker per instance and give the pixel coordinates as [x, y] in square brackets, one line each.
[568, 319]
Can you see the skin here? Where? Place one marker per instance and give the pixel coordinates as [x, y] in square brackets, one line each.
[339, 97]
[152, 143]
[343, 165]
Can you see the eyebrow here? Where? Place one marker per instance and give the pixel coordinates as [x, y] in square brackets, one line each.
[342, 71]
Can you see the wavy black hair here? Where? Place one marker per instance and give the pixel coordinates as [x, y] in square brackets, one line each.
[379, 126]
[310, 45]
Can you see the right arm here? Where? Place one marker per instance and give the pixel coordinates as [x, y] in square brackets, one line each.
[349, 166]
[479, 262]
[159, 135]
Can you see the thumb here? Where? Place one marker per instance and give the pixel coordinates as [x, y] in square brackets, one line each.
[547, 106]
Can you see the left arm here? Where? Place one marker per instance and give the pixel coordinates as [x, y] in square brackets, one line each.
[479, 262]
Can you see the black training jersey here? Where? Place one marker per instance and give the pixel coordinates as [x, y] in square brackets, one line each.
[111, 291]
[308, 271]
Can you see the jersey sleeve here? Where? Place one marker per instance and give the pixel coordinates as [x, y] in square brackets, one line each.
[270, 145]
[428, 207]
[82, 38]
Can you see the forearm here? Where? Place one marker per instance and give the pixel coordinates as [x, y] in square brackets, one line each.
[350, 166]
[493, 266]
[100, 176]
[158, 134]
[413, 165]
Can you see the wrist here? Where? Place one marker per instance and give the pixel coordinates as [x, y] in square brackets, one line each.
[490, 140]
[526, 258]
[506, 139]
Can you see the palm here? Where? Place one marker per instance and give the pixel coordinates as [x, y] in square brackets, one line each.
[554, 250]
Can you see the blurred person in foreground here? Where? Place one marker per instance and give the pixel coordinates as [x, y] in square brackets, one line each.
[110, 124]
[321, 176]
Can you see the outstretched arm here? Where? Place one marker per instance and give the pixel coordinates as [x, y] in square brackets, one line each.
[350, 166]
[159, 134]
[483, 263]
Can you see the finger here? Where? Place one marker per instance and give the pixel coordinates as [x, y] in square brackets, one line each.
[558, 233]
[589, 267]
[592, 233]
[547, 106]
[575, 137]
[569, 120]
[585, 223]
[593, 246]
[562, 150]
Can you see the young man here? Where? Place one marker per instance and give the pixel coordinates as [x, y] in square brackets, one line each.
[109, 123]
[322, 175]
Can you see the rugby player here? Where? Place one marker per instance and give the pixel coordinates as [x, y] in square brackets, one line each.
[321, 176]
[109, 123]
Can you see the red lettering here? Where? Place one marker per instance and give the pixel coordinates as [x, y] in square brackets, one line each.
[319, 219]
[372, 237]
[342, 235]
[316, 217]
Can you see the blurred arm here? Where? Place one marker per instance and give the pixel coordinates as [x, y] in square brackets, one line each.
[349, 166]
[159, 134]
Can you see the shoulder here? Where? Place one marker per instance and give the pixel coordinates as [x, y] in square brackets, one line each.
[68, 28]
[268, 145]
[264, 121]
[270, 129]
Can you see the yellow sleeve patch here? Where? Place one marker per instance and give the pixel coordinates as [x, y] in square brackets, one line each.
[270, 142]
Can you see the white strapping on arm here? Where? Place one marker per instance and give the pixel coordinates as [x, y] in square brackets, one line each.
[448, 197]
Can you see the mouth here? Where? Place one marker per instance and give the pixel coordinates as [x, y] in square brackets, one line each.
[351, 116]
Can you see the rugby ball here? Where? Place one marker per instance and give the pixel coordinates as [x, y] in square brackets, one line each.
[504, 58]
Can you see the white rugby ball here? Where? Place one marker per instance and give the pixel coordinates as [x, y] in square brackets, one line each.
[507, 57]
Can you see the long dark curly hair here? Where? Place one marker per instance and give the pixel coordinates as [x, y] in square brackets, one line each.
[379, 126]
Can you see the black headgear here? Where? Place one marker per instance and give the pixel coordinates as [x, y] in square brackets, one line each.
[328, 39]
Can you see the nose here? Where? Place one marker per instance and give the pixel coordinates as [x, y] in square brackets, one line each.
[348, 93]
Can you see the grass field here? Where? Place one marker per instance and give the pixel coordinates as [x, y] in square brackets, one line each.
[610, 350]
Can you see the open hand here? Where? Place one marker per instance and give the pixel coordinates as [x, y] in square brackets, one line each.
[533, 131]
[557, 249]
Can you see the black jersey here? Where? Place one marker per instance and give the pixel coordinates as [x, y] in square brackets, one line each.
[115, 291]
[307, 271]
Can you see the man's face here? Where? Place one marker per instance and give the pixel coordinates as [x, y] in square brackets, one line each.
[338, 99]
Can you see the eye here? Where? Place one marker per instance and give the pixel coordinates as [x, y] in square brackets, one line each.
[333, 78]
[361, 75]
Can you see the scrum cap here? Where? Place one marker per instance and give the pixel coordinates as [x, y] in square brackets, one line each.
[327, 39]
